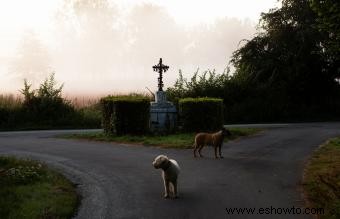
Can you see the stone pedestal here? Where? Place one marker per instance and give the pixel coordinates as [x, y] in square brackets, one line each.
[163, 114]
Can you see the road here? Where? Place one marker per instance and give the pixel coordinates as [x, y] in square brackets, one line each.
[118, 181]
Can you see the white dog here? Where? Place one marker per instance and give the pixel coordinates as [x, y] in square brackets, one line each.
[170, 173]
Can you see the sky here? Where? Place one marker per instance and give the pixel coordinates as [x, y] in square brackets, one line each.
[98, 47]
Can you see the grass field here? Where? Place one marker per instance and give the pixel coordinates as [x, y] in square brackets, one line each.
[322, 179]
[180, 140]
[29, 189]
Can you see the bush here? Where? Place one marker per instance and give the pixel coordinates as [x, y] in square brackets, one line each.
[46, 103]
[90, 116]
[125, 115]
[201, 114]
[4, 116]
[10, 117]
[206, 84]
[10, 108]
[45, 108]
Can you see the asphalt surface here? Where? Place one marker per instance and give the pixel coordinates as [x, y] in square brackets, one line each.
[118, 181]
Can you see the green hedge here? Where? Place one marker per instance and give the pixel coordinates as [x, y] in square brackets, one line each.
[125, 115]
[201, 114]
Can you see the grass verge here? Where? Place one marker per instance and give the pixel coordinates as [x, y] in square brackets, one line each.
[29, 189]
[322, 179]
[180, 140]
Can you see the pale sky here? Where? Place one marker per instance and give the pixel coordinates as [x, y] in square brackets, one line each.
[112, 48]
[191, 12]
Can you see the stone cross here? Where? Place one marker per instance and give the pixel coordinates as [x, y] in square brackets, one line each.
[160, 68]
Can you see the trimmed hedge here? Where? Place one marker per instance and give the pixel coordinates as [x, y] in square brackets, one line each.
[125, 115]
[201, 114]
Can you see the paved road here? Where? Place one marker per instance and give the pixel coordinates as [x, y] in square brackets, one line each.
[118, 181]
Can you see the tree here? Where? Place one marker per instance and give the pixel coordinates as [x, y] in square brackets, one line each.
[45, 103]
[48, 90]
[328, 22]
[286, 72]
[284, 61]
[32, 60]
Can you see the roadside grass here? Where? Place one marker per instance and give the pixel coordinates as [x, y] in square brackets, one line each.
[322, 179]
[179, 140]
[29, 189]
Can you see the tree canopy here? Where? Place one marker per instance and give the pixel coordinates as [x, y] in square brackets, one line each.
[288, 57]
[288, 71]
[328, 22]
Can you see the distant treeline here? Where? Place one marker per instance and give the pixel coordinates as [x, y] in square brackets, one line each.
[289, 71]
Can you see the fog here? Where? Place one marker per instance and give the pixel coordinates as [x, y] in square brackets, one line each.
[98, 47]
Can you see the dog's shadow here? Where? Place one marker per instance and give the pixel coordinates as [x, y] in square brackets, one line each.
[208, 158]
[186, 196]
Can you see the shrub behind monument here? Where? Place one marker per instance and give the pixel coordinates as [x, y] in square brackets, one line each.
[201, 114]
[125, 115]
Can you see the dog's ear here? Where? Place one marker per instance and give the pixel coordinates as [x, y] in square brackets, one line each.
[226, 132]
[164, 158]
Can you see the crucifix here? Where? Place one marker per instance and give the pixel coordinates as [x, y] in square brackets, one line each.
[160, 68]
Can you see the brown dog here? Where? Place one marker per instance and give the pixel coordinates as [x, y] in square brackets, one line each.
[213, 139]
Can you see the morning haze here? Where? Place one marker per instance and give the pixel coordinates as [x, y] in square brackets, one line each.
[99, 47]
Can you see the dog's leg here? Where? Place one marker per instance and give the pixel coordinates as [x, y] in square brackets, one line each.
[215, 152]
[174, 184]
[219, 149]
[199, 150]
[195, 145]
[166, 188]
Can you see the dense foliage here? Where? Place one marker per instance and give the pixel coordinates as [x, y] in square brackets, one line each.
[289, 71]
[209, 83]
[45, 108]
[46, 102]
[201, 114]
[328, 23]
[125, 114]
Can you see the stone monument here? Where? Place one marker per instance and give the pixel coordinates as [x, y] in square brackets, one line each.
[163, 114]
